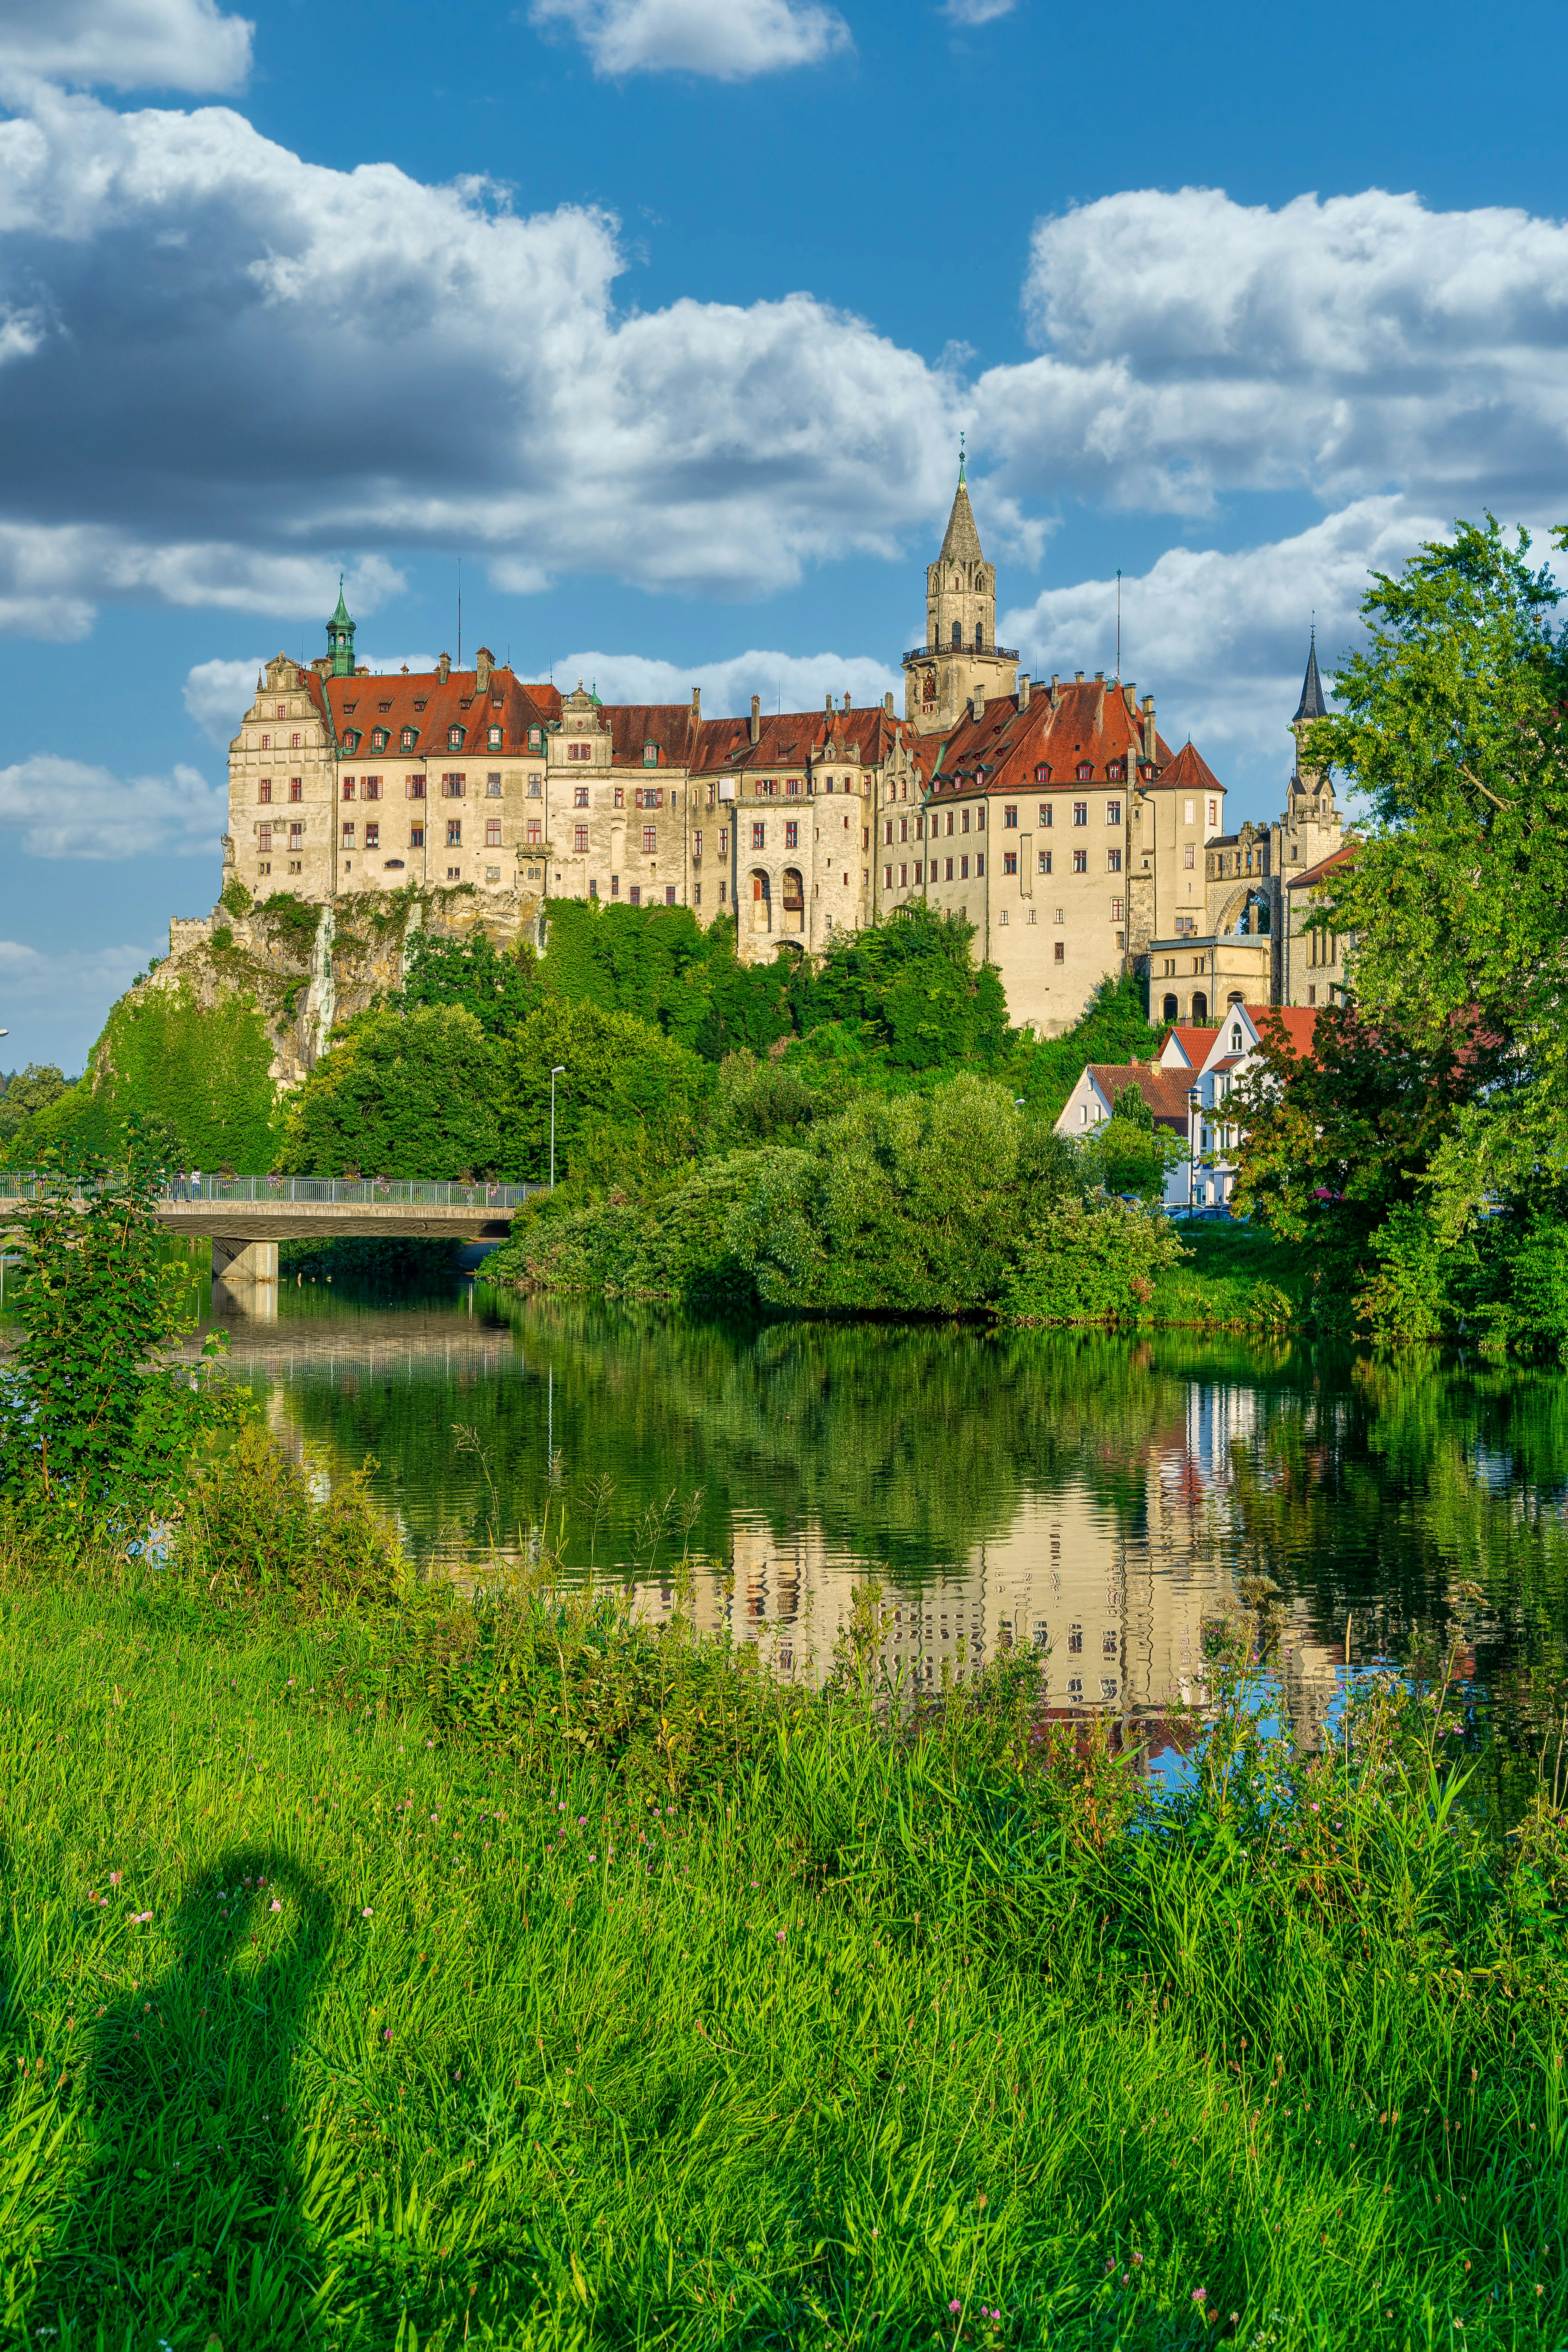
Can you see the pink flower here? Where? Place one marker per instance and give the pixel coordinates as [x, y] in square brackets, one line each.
[956, 2304]
[115, 1876]
[140, 1917]
[276, 1905]
[1200, 2295]
[365, 1913]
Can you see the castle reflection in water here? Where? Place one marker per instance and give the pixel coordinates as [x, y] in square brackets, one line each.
[930, 1467]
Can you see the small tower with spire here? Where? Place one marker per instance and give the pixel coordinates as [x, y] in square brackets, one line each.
[340, 639]
[1310, 827]
[1310, 708]
[961, 656]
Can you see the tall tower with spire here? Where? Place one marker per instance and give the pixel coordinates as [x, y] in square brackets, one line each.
[961, 657]
[1312, 706]
[341, 638]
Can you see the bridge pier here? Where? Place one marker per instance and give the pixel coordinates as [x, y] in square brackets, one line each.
[236, 1259]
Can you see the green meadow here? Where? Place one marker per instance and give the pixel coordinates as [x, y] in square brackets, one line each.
[431, 1971]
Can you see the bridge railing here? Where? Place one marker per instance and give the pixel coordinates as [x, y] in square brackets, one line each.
[355, 1191]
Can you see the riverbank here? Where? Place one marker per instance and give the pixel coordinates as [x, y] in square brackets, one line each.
[513, 1975]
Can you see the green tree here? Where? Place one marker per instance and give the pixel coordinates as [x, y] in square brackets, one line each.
[661, 964]
[1454, 732]
[630, 1104]
[1115, 1027]
[400, 1094]
[499, 986]
[1128, 1154]
[26, 1093]
[911, 987]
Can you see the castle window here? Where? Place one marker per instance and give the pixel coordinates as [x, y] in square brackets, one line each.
[1113, 861]
[414, 787]
[296, 837]
[957, 637]
[1085, 770]
[295, 741]
[1043, 772]
[650, 755]
[1116, 774]
[758, 837]
[493, 833]
[580, 840]
[454, 787]
[1062, 952]
[1009, 818]
[419, 703]
[265, 793]
[1081, 861]
[1044, 861]
[535, 787]
[791, 835]
[379, 739]
[1045, 816]
[453, 833]
[649, 840]
[887, 877]
[535, 734]
[580, 796]
[296, 788]
[579, 750]
[409, 739]
[415, 836]
[492, 785]
[979, 638]
[373, 836]
[1113, 811]
[266, 743]
[494, 738]
[283, 710]
[372, 788]
[1116, 910]
[1190, 855]
[454, 739]
[264, 839]
[348, 833]
[1080, 811]
[1009, 861]
[535, 829]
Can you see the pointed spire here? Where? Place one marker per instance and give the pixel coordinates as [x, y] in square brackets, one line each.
[961, 461]
[962, 542]
[341, 638]
[1312, 704]
[341, 617]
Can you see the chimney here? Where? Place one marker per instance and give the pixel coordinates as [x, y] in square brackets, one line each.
[846, 702]
[1077, 677]
[1023, 690]
[1130, 696]
[444, 668]
[1149, 727]
[977, 703]
[829, 706]
[757, 729]
[1055, 691]
[482, 662]
[697, 702]
[888, 704]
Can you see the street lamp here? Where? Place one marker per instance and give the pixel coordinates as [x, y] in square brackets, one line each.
[1194, 1103]
[558, 1071]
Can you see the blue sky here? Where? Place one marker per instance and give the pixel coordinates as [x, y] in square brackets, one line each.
[663, 317]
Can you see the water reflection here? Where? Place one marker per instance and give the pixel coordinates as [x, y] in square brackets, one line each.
[1101, 1499]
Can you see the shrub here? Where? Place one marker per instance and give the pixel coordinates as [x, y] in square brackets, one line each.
[400, 1095]
[253, 1530]
[1091, 1262]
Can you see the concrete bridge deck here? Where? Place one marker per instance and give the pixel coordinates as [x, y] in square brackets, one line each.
[246, 1217]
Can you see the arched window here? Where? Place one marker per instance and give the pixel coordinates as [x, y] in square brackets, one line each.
[958, 636]
[1200, 1006]
[979, 638]
[1236, 1036]
[1168, 1010]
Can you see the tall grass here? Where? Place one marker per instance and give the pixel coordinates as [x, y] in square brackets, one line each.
[508, 1975]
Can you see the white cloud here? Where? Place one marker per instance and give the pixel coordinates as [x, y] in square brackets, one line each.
[727, 40]
[978, 12]
[1348, 346]
[783, 681]
[207, 309]
[127, 44]
[54, 1001]
[69, 808]
[1221, 639]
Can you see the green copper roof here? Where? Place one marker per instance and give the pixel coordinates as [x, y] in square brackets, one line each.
[341, 617]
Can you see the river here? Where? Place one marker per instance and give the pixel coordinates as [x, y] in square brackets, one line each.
[1104, 1499]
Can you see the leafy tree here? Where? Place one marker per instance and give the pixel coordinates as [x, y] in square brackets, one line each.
[1455, 731]
[912, 988]
[629, 1104]
[27, 1092]
[1128, 1154]
[672, 972]
[94, 1422]
[400, 1094]
[499, 986]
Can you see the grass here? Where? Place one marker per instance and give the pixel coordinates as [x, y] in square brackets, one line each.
[1234, 1280]
[358, 1997]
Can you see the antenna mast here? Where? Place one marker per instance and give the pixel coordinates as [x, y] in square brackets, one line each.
[459, 612]
[1119, 626]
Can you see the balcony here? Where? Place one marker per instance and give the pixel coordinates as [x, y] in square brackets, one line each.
[987, 653]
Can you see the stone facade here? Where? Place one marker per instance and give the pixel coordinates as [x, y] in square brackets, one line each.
[1055, 820]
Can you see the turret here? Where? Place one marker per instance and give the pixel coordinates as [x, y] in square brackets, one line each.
[340, 639]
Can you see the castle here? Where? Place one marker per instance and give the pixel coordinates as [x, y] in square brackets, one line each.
[1054, 818]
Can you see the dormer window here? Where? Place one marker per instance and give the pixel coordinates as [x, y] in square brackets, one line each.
[454, 739]
[383, 706]
[378, 738]
[409, 739]
[419, 702]
[352, 740]
[465, 703]
[1043, 772]
[1085, 770]
[650, 755]
[495, 738]
[348, 706]
[535, 735]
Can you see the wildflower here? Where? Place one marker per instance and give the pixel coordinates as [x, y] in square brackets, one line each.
[140, 1918]
[365, 1913]
[115, 1876]
[276, 1905]
[956, 2304]
[1200, 2295]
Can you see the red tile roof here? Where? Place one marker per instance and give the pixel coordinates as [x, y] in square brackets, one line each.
[1193, 1042]
[999, 752]
[1298, 1021]
[1190, 768]
[1164, 1091]
[359, 705]
[788, 740]
[1344, 857]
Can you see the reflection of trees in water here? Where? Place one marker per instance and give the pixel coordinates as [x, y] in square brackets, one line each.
[1372, 1486]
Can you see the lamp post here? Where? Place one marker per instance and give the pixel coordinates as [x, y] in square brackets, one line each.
[1194, 1104]
[558, 1071]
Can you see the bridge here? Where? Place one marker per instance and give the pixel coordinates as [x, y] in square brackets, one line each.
[246, 1217]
